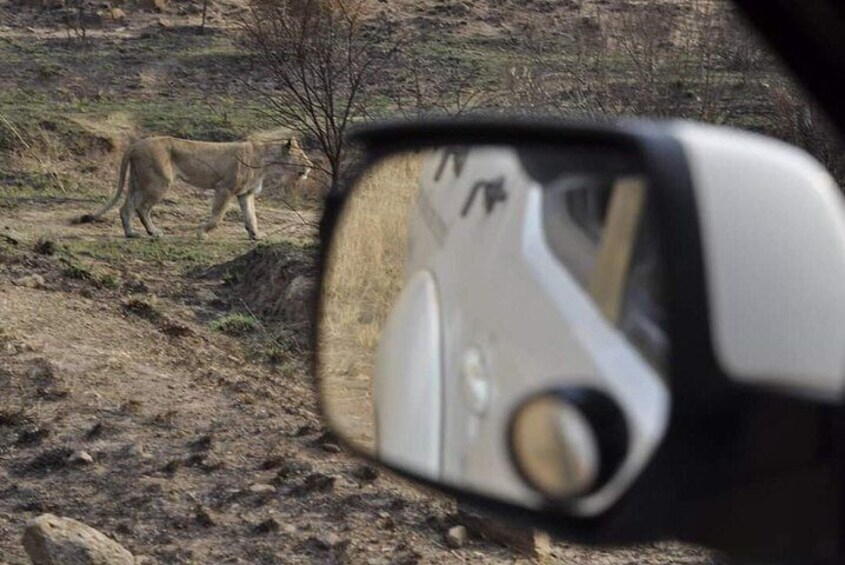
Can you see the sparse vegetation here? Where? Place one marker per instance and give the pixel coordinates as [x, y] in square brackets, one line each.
[143, 309]
[235, 324]
[109, 281]
[45, 247]
[77, 271]
[185, 252]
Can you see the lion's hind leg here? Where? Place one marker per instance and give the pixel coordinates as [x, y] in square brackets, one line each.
[144, 215]
[145, 205]
[151, 186]
[128, 207]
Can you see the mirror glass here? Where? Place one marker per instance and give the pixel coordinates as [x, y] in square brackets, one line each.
[464, 281]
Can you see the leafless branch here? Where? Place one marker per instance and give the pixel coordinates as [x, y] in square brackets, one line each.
[321, 62]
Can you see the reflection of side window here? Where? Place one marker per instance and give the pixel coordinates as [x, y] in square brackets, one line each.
[643, 313]
[574, 210]
[603, 232]
[587, 206]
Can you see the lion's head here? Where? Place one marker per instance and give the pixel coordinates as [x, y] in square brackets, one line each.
[285, 157]
[294, 153]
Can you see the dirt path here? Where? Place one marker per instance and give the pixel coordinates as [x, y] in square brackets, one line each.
[201, 451]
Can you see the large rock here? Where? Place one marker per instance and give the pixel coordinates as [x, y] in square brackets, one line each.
[53, 540]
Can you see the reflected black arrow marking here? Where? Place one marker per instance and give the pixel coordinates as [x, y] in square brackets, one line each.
[493, 190]
[459, 157]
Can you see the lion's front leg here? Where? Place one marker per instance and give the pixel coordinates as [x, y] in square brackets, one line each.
[222, 199]
[247, 202]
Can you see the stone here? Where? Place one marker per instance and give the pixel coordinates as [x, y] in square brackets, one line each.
[260, 488]
[267, 526]
[328, 541]
[529, 542]
[136, 450]
[315, 482]
[366, 473]
[80, 458]
[457, 537]
[273, 462]
[206, 516]
[116, 15]
[55, 540]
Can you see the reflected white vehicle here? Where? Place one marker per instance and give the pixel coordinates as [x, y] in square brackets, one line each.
[518, 280]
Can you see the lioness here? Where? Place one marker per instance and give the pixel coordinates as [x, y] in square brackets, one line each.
[235, 169]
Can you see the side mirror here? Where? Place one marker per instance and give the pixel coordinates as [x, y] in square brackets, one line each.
[622, 332]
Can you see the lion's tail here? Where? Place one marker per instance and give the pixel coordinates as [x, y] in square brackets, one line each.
[121, 180]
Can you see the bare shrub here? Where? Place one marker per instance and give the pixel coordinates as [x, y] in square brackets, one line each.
[204, 15]
[424, 87]
[321, 62]
[695, 60]
[662, 61]
[795, 119]
[76, 20]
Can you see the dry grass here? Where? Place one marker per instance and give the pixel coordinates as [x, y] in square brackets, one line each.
[365, 274]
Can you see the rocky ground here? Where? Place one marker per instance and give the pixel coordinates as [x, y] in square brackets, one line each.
[125, 409]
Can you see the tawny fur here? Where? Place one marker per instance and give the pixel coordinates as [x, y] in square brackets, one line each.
[232, 170]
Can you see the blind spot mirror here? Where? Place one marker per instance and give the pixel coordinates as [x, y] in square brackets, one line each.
[568, 442]
[555, 447]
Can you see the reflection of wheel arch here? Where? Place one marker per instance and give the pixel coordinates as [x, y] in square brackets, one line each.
[408, 367]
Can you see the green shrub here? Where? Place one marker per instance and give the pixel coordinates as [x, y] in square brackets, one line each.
[77, 272]
[235, 324]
